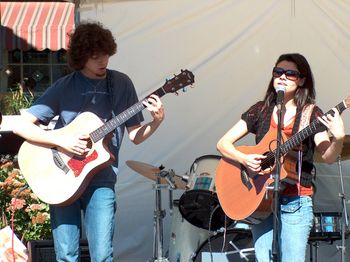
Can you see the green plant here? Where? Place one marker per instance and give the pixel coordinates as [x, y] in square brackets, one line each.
[30, 216]
[19, 97]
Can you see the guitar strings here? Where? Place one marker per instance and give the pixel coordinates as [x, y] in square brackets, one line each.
[271, 155]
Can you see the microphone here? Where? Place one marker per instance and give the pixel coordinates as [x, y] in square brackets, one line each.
[280, 95]
[184, 178]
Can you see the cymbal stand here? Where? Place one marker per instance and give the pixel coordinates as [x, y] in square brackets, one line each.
[158, 216]
[345, 221]
[169, 178]
[242, 252]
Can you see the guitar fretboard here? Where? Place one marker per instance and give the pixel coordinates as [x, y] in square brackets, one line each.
[124, 116]
[299, 137]
[171, 86]
[310, 130]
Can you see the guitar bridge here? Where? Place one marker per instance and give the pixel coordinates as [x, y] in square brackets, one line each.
[59, 161]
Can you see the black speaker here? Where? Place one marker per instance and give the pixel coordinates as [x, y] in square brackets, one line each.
[10, 142]
[43, 251]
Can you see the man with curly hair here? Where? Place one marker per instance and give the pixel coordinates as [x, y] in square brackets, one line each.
[91, 87]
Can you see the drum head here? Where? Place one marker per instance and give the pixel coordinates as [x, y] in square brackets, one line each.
[235, 241]
[202, 209]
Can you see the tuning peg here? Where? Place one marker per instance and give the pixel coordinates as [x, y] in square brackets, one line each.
[184, 89]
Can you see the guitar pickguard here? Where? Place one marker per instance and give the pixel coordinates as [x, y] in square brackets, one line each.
[245, 178]
[78, 164]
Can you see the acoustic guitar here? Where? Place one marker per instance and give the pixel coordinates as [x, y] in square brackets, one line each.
[58, 177]
[244, 196]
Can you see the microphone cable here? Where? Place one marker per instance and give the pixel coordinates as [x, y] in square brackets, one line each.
[209, 229]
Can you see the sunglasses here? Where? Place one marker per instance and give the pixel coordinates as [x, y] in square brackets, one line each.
[290, 74]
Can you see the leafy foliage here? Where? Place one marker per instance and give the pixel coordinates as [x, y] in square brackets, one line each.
[30, 215]
[19, 97]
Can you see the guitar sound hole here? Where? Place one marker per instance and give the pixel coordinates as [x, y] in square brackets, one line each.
[268, 162]
[89, 144]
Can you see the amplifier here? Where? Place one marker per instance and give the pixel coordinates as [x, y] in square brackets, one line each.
[43, 251]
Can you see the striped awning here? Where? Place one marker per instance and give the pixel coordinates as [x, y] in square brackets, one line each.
[37, 25]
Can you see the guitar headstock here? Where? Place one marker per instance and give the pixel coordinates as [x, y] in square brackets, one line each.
[343, 105]
[179, 81]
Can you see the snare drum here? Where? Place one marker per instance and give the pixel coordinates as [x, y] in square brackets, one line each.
[237, 245]
[327, 226]
[185, 238]
[199, 205]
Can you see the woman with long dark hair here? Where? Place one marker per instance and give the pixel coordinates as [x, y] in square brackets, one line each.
[292, 73]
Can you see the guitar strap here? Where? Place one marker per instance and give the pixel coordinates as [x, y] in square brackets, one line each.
[306, 116]
[110, 90]
[305, 178]
[112, 86]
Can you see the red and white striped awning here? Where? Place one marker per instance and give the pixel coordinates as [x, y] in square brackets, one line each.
[37, 25]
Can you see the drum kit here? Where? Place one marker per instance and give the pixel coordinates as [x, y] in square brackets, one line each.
[332, 226]
[199, 226]
[200, 230]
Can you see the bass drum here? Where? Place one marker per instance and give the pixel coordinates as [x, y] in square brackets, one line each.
[199, 205]
[185, 238]
[237, 245]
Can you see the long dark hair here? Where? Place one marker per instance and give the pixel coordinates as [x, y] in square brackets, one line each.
[304, 94]
[88, 39]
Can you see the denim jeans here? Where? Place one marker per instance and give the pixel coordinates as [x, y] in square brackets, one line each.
[296, 221]
[98, 205]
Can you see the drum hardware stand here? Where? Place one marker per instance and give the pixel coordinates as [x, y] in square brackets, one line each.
[168, 176]
[240, 251]
[311, 245]
[345, 223]
[159, 214]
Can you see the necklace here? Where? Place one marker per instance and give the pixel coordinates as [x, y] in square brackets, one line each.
[94, 86]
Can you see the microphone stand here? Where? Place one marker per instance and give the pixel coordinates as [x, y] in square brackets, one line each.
[276, 209]
[345, 222]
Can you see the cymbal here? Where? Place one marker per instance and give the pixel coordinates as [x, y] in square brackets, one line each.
[151, 172]
[344, 155]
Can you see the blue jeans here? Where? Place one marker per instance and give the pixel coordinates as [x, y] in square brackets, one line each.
[98, 205]
[296, 221]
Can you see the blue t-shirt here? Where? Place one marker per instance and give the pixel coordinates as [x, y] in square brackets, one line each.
[75, 93]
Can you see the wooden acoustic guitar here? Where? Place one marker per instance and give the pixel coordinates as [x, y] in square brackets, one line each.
[58, 177]
[244, 196]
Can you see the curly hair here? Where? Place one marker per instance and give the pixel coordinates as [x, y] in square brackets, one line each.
[88, 39]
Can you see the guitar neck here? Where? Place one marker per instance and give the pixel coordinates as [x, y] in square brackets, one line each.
[124, 116]
[178, 82]
[310, 130]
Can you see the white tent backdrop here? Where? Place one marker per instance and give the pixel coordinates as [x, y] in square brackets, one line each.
[231, 47]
